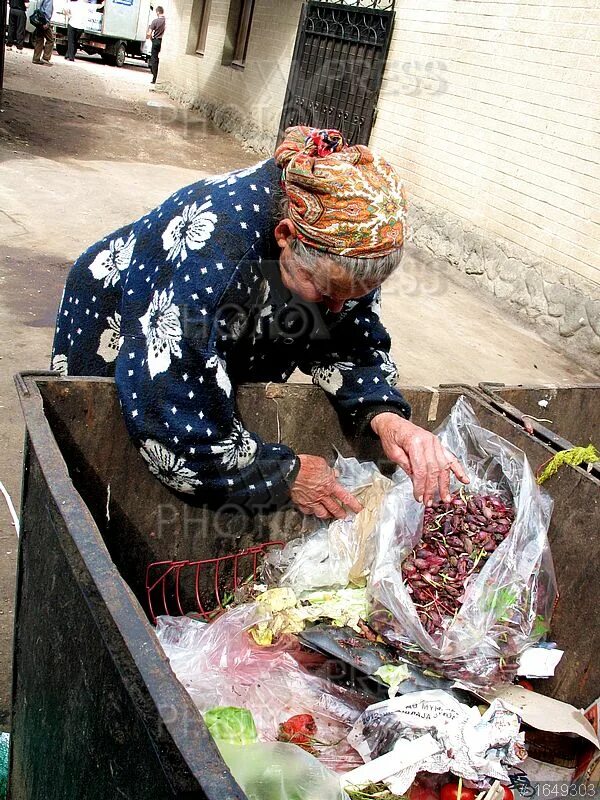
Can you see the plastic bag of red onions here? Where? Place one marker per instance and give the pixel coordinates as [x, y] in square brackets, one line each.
[464, 587]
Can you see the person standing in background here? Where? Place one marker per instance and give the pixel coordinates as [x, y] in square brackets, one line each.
[16, 24]
[156, 31]
[43, 38]
[77, 12]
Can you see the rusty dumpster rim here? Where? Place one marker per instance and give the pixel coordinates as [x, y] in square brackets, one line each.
[552, 439]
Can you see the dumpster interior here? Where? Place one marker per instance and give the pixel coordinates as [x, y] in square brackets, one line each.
[570, 412]
[142, 523]
[563, 417]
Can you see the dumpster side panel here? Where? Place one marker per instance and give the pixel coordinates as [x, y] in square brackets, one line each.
[71, 708]
[85, 723]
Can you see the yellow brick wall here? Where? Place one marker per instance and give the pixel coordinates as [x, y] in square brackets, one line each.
[490, 110]
[255, 92]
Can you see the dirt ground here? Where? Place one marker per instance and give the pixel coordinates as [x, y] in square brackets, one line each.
[84, 148]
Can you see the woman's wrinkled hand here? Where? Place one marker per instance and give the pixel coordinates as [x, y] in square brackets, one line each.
[317, 491]
[421, 455]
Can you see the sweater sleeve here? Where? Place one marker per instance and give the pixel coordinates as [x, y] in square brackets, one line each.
[354, 366]
[179, 407]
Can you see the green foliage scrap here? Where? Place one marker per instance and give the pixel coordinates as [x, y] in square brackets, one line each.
[575, 456]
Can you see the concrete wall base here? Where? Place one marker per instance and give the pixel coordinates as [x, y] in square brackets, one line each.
[555, 300]
[227, 117]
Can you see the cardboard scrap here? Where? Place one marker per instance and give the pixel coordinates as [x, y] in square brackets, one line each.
[543, 713]
[588, 766]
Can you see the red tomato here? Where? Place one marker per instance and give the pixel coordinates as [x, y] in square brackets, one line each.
[449, 791]
[299, 730]
[524, 684]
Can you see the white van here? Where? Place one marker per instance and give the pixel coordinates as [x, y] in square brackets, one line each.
[116, 31]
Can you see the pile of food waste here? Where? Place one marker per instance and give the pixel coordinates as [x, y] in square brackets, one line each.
[458, 538]
[332, 673]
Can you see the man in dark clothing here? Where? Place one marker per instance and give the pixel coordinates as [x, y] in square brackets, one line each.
[156, 31]
[16, 24]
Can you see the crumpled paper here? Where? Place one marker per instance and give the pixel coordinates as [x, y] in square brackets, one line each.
[472, 746]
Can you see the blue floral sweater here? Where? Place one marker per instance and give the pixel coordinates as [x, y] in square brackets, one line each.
[185, 304]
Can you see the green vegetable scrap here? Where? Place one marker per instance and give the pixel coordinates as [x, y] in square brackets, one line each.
[231, 725]
[575, 456]
[287, 612]
[540, 627]
[374, 791]
[281, 616]
[393, 675]
[502, 601]
[341, 606]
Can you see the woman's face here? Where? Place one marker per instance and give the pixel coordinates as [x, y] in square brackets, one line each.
[330, 284]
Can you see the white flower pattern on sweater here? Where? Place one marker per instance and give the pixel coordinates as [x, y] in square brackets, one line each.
[170, 468]
[111, 339]
[238, 449]
[162, 328]
[110, 263]
[189, 230]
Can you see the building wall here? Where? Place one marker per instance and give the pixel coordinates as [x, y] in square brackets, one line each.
[245, 101]
[490, 112]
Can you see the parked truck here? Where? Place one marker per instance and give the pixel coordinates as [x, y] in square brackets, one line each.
[114, 31]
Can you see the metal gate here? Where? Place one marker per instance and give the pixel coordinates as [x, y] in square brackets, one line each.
[337, 67]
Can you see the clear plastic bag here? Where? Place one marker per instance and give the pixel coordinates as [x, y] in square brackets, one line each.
[277, 771]
[341, 553]
[220, 665]
[507, 606]
[4, 745]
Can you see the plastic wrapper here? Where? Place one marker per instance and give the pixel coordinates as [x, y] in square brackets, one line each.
[221, 665]
[340, 554]
[475, 747]
[277, 771]
[508, 605]
[4, 745]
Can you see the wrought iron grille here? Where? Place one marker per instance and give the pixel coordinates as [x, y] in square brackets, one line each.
[337, 67]
[380, 5]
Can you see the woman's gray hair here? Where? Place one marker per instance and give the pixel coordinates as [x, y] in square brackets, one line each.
[373, 271]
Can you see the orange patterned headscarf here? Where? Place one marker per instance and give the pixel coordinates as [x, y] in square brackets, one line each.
[342, 199]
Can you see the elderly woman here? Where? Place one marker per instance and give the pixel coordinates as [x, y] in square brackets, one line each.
[225, 283]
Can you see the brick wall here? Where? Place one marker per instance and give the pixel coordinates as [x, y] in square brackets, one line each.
[249, 100]
[490, 112]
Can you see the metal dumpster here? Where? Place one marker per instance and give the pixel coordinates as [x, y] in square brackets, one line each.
[574, 412]
[97, 712]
